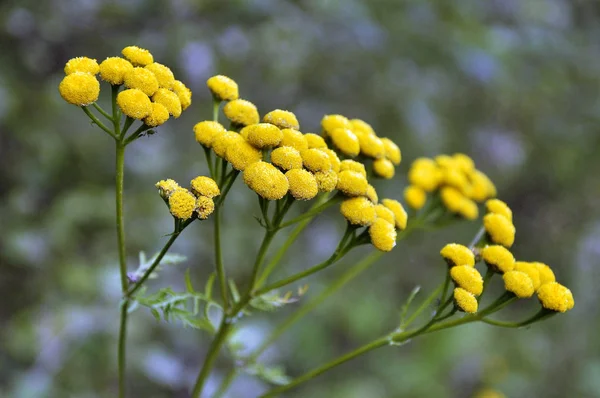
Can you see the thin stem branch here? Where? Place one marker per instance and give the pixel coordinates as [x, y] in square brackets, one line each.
[219, 259]
[98, 123]
[102, 111]
[122, 348]
[211, 356]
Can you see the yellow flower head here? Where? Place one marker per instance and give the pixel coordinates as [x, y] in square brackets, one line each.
[183, 93]
[157, 116]
[286, 158]
[182, 204]
[468, 209]
[554, 296]
[370, 145]
[143, 80]
[241, 112]
[482, 187]
[358, 211]
[282, 119]
[169, 99]
[456, 255]
[445, 161]
[531, 270]
[266, 180]
[206, 131]
[415, 197]
[333, 159]
[499, 207]
[371, 194]
[546, 274]
[205, 186]
[384, 168]
[383, 235]
[134, 103]
[499, 258]
[329, 123]
[293, 138]
[351, 183]
[204, 207]
[424, 174]
[353, 165]
[114, 69]
[383, 212]
[345, 140]
[79, 88]
[518, 283]
[137, 56]
[326, 180]
[399, 213]
[82, 64]
[264, 135]
[222, 141]
[452, 199]
[167, 187]
[499, 229]
[361, 126]
[163, 74]
[303, 185]
[468, 278]
[315, 160]
[314, 141]
[224, 88]
[465, 301]
[241, 154]
[454, 177]
[392, 151]
[464, 162]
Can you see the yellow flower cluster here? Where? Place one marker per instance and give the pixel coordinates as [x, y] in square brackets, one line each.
[498, 223]
[195, 202]
[80, 86]
[467, 279]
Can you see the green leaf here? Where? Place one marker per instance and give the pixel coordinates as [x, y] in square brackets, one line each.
[188, 282]
[209, 285]
[274, 375]
[272, 301]
[406, 306]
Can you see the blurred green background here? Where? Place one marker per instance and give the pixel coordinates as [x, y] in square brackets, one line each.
[513, 83]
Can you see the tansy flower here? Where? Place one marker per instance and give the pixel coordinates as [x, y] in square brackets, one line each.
[205, 186]
[370, 145]
[499, 229]
[286, 158]
[464, 162]
[282, 119]
[465, 301]
[315, 160]
[303, 185]
[204, 207]
[266, 180]
[481, 186]
[241, 112]
[143, 80]
[468, 209]
[518, 283]
[399, 213]
[82, 64]
[424, 174]
[223, 141]
[333, 159]
[546, 274]
[345, 140]
[264, 135]
[554, 296]
[452, 199]
[157, 116]
[134, 103]
[182, 204]
[293, 138]
[351, 183]
[499, 207]
[383, 212]
[206, 131]
[383, 235]
[183, 93]
[361, 126]
[392, 151]
[314, 141]
[163, 74]
[114, 69]
[454, 177]
[456, 254]
[445, 161]
[329, 123]
[166, 187]
[371, 194]
[353, 165]
[79, 88]
[224, 88]
[531, 270]
[384, 168]
[468, 278]
[137, 56]
[326, 180]
[415, 197]
[241, 154]
[358, 211]
[169, 99]
[498, 258]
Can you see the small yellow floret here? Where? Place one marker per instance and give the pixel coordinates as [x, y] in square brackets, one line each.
[114, 69]
[182, 204]
[556, 297]
[143, 80]
[370, 145]
[358, 125]
[169, 99]
[454, 177]
[183, 93]
[383, 212]
[351, 183]
[282, 119]
[224, 88]
[163, 74]
[499, 207]
[468, 209]
[384, 168]
[266, 180]
[415, 197]
[345, 140]
[222, 141]
[241, 112]
[392, 151]
[456, 254]
[303, 184]
[499, 229]
[79, 88]
[424, 174]
[518, 283]
[371, 194]
[452, 199]
[315, 160]
[134, 103]
[468, 278]
[137, 56]
[264, 135]
[358, 211]
[465, 301]
[499, 258]
[531, 270]
[157, 116]
[326, 180]
[286, 158]
[293, 138]
[464, 162]
[241, 154]
[383, 235]
[482, 187]
[329, 123]
[333, 159]
[314, 141]
[353, 165]
[205, 186]
[546, 274]
[82, 64]
[399, 213]
[166, 187]
[206, 131]
[204, 207]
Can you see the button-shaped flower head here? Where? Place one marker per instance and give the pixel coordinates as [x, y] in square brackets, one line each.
[143, 80]
[264, 135]
[468, 278]
[293, 138]
[333, 159]
[329, 123]
[205, 186]
[241, 112]
[400, 215]
[314, 141]
[206, 131]
[204, 207]
[169, 99]
[370, 145]
[424, 173]
[555, 297]
[392, 151]
[499, 229]
[82, 64]
[167, 187]
[345, 140]
[286, 158]
[137, 56]
[183, 93]
[499, 207]
[415, 197]
[384, 168]
[223, 141]
[282, 119]
[157, 116]
[266, 180]
[518, 283]
[79, 88]
[351, 183]
[302, 184]
[353, 165]
[383, 234]
[371, 194]
[163, 74]
[241, 154]
[546, 273]
[134, 103]
[224, 88]
[358, 211]
[326, 180]
[383, 212]
[114, 69]
[182, 204]
[465, 301]
[315, 160]
[456, 254]
[498, 258]
[531, 270]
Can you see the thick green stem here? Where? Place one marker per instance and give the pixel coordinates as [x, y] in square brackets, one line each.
[211, 356]
[269, 235]
[122, 353]
[219, 258]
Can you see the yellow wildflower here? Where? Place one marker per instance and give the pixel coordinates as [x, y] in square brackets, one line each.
[554, 296]
[82, 64]
[392, 151]
[143, 80]
[326, 180]
[468, 278]
[454, 177]
[456, 255]
[204, 207]
[464, 162]
[481, 186]
[358, 211]
[424, 174]
[224, 88]
[182, 204]
[206, 131]
[353, 165]
[546, 274]
[303, 185]
[468, 209]
[399, 213]
[264, 135]
[222, 141]
[452, 199]
[205, 186]
[499, 258]
[383, 235]
[183, 93]
[351, 183]
[333, 159]
[499, 207]
[157, 116]
[465, 301]
[315, 160]
[169, 99]
[370, 145]
[79, 88]
[282, 119]
[163, 74]
[383, 212]
[166, 187]
[241, 154]
[361, 126]
[384, 168]
[241, 112]
[329, 123]
[445, 161]
[293, 138]
[314, 141]
[134, 103]
[345, 140]
[114, 69]
[371, 194]
[266, 180]
[499, 229]
[137, 56]
[415, 197]
[531, 270]
[286, 158]
[518, 283]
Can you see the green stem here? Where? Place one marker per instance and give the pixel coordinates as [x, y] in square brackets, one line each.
[122, 348]
[269, 235]
[227, 380]
[98, 123]
[102, 111]
[424, 305]
[211, 356]
[477, 238]
[538, 316]
[136, 134]
[486, 280]
[219, 258]
[313, 212]
[216, 104]
[209, 161]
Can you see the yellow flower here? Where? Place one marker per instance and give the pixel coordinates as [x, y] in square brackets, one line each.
[163, 74]
[114, 69]
[241, 154]
[282, 119]
[143, 80]
[499, 207]
[205, 186]
[169, 99]
[518, 283]
[314, 141]
[137, 56]
[166, 187]
[182, 204]
[204, 207]
[383, 212]
[424, 174]
[329, 123]
[399, 213]
[264, 135]
[546, 274]
[358, 211]
[383, 235]
[183, 93]
[464, 162]
[224, 88]
[315, 160]
[241, 112]
[361, 126]
[157, 116]
[222, 141]
[293, 138]
[333, 159]
[531, 270]
[384, 168]
[345, 140]
[454, 177]
[79, 89]
[465, 301]
[353, 165]
[456, 254]
[134, 103]
[266, 180]
[468, 278]
[499, 229]
[415, 197]
[326, 180]
[445, 161]
[351, 183]
[286, 158]
[370, 145]
[499, 258]
[554, 296]
[392, 151]
[206, 131]
[82, 64]
[481, 186]
[468, 209]
[452, 199]
[303, 185]
[371, 194]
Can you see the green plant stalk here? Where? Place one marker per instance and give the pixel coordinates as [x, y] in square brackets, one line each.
[98, 123]
[221, 276]
[102, 111]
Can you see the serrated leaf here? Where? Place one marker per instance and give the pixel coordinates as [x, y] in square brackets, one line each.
[272, 301]
[407, 304]
[155, 313]
[274, 374]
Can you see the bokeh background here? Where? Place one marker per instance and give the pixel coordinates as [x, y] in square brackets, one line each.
[513, 83]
